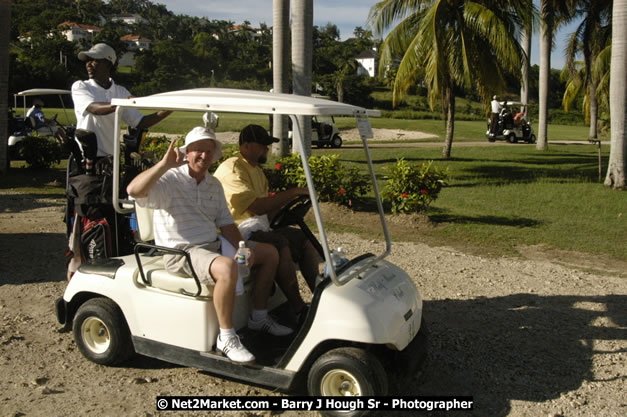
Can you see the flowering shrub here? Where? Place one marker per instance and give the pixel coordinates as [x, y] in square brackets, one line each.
[334, 182]
[411, 188]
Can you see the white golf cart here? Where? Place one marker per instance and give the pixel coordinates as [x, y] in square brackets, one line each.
[20, 127]
[364, 323]
[510, 129]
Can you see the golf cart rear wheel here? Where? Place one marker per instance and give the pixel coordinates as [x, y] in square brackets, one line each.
[532, 139]
[101, 333]
[347, 372]
[512, 138]
[336, 141]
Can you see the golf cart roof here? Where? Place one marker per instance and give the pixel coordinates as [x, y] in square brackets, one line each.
[512, 103]
[243, 101]
[42, 92]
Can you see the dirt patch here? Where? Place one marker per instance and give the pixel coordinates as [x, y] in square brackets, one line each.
[524, 337]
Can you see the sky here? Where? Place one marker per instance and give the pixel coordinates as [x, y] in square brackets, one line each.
[345, 14]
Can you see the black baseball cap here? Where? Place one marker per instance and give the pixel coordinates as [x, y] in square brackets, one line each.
[257, 134]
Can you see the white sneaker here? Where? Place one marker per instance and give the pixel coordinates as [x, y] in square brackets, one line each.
[234, 350]
[268, 325]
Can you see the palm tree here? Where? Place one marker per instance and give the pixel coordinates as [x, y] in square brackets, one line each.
[457, 43]
[527, 18]
[280, 42]
[615, 177]
[302, 39]
[552, 14]
[589, 39]
[5, 22]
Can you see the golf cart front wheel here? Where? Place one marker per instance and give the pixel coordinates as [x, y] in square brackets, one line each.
[512, 138]
[351, 372]
[101, 333]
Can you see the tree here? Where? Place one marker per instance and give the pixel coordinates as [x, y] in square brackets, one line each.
[589, 39]
[552, 14]
[458, 44]
[526, 29]
[302, 40]
[280, 42]
[615, 177]
[5, 29]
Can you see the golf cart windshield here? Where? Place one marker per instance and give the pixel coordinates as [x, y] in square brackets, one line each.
[255, 102]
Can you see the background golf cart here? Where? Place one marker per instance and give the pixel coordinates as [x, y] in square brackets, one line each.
[323, 132]
[506, 128]
[365, 319]
[22, 126]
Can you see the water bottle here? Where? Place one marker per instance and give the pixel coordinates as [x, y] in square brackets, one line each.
[337, 260]
[242, 259]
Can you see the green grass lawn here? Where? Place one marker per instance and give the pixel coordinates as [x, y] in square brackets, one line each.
[501, 197]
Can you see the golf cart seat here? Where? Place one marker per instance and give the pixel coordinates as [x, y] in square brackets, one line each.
[154, 268]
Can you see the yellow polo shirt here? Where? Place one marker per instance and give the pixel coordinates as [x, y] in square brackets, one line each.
[242, 184]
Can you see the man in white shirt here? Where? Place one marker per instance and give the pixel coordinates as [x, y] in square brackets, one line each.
[189, 208]
[496, 109]
[92, 99]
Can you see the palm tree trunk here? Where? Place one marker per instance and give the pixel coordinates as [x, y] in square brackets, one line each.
[280, 55]
[618, 97]
[546, 30]
[594, 109]
[525, 41]
[450, 122]
[302, 39]
[5, 22]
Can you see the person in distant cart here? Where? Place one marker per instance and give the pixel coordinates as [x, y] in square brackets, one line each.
[37, 114]
[496, 110]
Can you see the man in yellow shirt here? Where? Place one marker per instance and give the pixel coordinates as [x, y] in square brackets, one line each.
[246, 190]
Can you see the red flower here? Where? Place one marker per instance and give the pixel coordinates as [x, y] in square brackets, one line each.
[341, 191]
[271, 193]
[404, 195]
[424, 192]
[419, 165]
[278, 166]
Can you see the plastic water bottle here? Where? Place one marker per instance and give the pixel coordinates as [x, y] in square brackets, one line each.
[242, 269]
[337, 260]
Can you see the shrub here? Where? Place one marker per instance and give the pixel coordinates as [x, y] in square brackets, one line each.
[334, 182]
[411, 188]
[41, 152]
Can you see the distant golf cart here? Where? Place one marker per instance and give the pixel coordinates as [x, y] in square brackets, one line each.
[508, 128]
[22, 126]
[365, 321]
[323, 132]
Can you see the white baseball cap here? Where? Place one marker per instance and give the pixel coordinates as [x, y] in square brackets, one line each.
[99, 51]
[201, 133]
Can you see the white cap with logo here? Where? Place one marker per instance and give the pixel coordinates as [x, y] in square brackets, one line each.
[99, 51]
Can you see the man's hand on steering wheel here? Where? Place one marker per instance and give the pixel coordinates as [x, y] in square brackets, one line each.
[293, 212]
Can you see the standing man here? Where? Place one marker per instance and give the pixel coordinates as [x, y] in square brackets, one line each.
[92, 99]
[189, 209]
[496, 109]
[246, 189]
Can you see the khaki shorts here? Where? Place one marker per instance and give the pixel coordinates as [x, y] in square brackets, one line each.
[201, 255]
[291, 237]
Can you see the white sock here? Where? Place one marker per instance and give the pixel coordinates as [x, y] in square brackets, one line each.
[224, 333]
[258, 315]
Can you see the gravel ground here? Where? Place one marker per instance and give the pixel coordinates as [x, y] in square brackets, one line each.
[524, 337]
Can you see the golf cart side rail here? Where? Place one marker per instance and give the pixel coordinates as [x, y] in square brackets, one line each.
[256, 102]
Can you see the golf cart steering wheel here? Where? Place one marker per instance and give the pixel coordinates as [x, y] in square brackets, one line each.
[292, 213]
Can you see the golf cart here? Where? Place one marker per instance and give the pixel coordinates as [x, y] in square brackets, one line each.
[365, 321]
[510, 129]
[323, 132]
[22, 126]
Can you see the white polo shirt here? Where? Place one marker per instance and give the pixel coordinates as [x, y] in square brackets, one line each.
[86, 92]
[186, 212]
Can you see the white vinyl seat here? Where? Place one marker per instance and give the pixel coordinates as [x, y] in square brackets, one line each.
[153, 266]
